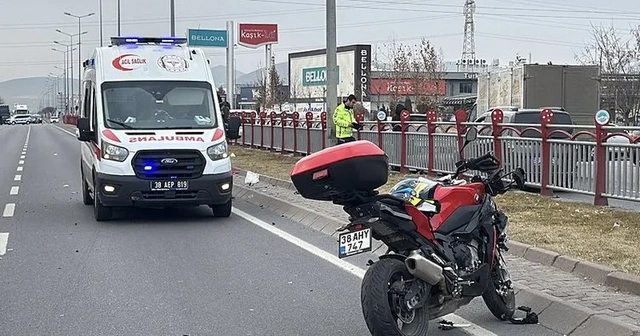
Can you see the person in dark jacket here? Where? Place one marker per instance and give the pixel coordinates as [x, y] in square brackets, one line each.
[396, 117]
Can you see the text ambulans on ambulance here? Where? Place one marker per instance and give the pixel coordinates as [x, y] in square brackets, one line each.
[152, 130]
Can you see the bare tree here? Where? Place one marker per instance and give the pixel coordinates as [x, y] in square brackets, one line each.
[398, 56]
[261, 99]
[619, 59]
[427, 75]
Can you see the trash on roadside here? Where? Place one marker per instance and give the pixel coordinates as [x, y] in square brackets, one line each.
[251, 178]
[448, 325]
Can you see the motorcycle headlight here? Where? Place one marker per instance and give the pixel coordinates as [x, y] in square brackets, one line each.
[114, 153]
[217, 152]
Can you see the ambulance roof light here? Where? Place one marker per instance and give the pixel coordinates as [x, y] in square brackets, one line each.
[120, 40]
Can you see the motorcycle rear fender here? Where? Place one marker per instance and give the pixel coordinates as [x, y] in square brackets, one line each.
[393, 256]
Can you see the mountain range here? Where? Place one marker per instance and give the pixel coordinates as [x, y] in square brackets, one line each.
[28, 90]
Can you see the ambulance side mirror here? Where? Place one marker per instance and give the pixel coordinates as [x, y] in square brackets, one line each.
[84, 130]
[232, 129]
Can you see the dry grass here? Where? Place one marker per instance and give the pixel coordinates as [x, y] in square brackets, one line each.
[602, 235]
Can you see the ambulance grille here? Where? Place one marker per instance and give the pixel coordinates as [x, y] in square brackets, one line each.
[147, 164]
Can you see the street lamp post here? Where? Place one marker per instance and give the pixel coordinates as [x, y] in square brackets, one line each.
[100, 23]
[70, 57]
[118, 17]
[79, 17]
[64, 72]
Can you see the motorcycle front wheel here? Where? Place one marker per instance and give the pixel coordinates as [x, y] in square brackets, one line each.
[499, 295]
[383, 306]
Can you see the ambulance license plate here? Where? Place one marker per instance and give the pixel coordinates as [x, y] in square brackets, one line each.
[352, 243]
[169, 185]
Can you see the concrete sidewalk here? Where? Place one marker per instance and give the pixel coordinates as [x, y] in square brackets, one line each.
[568, 303]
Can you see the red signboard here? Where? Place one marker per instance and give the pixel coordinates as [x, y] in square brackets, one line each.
[407, 87]
[253, 35]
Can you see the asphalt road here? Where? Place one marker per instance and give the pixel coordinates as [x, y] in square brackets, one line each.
[157, 272]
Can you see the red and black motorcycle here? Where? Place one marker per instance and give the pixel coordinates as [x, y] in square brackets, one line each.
[438, 259]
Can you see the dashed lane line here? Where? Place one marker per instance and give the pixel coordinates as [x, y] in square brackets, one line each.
[18, 178]
[4, 238]
[21, 162]
[14, 190]
[19, 168]
[9, 210]
[22, 156]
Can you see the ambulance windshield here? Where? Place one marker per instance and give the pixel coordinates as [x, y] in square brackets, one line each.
[158, 105]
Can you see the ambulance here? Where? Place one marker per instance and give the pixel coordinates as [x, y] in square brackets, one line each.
[151, 129]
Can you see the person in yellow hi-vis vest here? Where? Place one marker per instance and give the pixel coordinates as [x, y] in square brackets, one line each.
[345, 121]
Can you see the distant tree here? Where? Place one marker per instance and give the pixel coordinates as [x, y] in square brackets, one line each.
[261, 97]
[277, 96]
[426, 64]
[398, 56]
[618, 56]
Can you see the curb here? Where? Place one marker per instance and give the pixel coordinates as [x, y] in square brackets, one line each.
[597, 273]
[562, 317]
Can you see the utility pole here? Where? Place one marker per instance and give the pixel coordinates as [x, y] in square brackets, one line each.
[332, 74]
[79, 17]
[173, 18]
[101, 23]
[118, 17]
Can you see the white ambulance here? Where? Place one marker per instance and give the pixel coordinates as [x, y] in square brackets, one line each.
[151, 129]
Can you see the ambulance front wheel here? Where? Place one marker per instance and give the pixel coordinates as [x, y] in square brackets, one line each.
[222, 210]
[100, 212]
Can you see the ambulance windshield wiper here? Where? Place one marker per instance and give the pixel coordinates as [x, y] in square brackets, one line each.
[120, 123]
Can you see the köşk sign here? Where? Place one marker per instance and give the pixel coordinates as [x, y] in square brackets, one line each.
[254, 35]
[128, 62]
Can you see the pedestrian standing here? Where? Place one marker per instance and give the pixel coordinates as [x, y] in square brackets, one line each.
[345, 120]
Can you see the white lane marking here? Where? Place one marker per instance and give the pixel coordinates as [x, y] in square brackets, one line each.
[346, 266]
[64, 130]
[9, 210]
[14, 190]
[19, 168]
[22, 156]
[21, 162]
[23, 153]
[4, 239]
[18, 178]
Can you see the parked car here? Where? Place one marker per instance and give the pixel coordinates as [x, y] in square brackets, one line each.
[54, 120]
[520, 152]
[36, 119]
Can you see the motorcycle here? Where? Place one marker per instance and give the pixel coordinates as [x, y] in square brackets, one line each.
[439, 257]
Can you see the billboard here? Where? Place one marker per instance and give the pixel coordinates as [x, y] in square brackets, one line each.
[307, 74]
[254, 35]
[207, 38]
[407, 87]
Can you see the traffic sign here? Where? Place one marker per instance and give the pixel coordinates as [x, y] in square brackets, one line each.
[207, 38]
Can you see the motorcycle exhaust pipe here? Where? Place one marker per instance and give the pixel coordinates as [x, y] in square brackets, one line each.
[423, 268]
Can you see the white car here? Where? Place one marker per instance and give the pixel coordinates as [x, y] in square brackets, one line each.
[54, 120]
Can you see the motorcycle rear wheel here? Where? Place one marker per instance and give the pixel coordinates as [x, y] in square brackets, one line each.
[500, 300]
[378, 303]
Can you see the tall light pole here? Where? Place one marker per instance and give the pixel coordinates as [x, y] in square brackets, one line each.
[79, 17]
[70, 56]
[173, 18]
[64, 71]
[118, 17]
[100, 11]
[332, 64]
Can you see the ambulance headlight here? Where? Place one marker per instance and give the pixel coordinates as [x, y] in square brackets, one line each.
[217, 152]
[114, 153]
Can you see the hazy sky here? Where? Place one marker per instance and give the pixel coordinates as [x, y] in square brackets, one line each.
[546, 29]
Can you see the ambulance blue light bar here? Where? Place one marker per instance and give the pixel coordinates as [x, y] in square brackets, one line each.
[156, 40]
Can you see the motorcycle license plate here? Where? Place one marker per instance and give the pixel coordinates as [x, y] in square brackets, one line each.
[352, 243]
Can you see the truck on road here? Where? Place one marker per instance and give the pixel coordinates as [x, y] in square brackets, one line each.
[5, 114]
[574, 88]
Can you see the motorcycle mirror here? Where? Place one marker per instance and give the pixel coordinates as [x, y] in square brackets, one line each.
[471, 135]
[519, 178]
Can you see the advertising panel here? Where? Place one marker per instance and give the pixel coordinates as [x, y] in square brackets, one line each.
[308, 74]
[254, 35]
[207, 38]
[406, 87]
